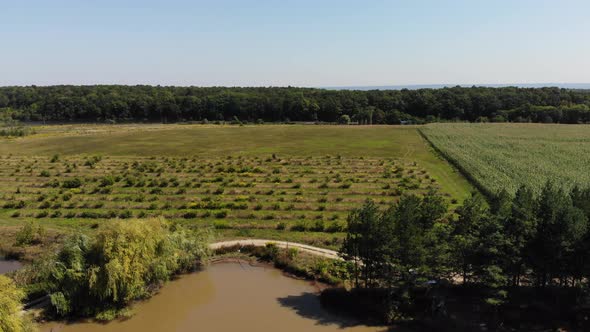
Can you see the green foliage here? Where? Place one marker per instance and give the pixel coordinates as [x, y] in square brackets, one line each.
[71, 183]
[344, 119]
[408, 238]
[30, 233]
[10, 127]
[10, 306]
[141, 103]
[125, 261]
[515, 240]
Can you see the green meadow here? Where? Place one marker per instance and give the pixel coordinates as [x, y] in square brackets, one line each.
[295, 182]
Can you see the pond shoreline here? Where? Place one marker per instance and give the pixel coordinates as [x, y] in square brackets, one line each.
[228, 287]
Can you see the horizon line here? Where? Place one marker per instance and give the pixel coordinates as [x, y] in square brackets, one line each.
[573, 85]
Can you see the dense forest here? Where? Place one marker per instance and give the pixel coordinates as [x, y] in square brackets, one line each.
[118, 103]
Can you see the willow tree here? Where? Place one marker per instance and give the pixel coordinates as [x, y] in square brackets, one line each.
[126, 260]
[10, 307]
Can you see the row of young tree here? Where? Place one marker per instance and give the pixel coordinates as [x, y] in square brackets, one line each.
[175, 104]
[525, 239]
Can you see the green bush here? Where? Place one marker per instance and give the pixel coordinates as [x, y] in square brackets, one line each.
[29, 234]
[107, 181]
[189, 215]
[335, 227]
[318, 226]
[71, 183]
[221, 214]
[300, 226]
[11, 298]
[126, 214]
[344, 119]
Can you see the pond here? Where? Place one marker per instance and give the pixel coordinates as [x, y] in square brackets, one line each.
[228, 297]
[9, 266]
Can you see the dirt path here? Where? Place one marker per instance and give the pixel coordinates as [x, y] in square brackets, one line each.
[281, 244]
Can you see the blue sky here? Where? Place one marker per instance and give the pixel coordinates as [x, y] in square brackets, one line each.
[299, 43]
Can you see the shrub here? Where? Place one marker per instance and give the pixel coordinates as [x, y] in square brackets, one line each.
[335, 227]
[221, 225]
[344, 119]
[189, 215]
[300, 226]
[25, 235]
[42, 214]
[318, 226]
[89, 215]
[92, 161]
[106, 181]
[156, 191]
[29, 234]
[45, 174]
[71, 183]
[221, 214]
[105, 190]
[126, 214]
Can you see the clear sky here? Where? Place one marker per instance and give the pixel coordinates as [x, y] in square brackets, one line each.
[299, 43]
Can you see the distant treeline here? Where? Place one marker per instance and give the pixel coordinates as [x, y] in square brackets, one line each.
[118, 103]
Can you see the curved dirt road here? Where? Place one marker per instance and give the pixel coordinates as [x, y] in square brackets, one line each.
[281, 244]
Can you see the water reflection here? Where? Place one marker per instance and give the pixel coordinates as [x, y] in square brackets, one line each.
[227, 297]
[9, 266]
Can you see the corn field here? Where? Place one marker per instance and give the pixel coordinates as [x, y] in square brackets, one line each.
[505, 156]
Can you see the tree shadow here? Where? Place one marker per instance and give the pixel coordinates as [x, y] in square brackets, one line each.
[308, 305]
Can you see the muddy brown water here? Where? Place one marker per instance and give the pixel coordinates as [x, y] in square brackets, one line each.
[228, 297]
[9, 266]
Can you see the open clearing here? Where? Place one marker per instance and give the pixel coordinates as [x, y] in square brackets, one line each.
[273, 181]
[498, 156]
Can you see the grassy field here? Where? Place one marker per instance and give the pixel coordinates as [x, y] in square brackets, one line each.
[283, 182]
[497, 156]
